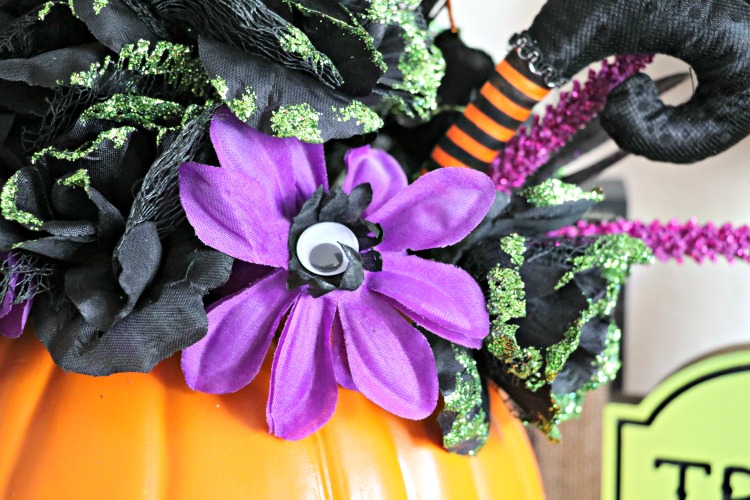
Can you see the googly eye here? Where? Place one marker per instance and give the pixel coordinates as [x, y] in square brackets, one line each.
[319, 251]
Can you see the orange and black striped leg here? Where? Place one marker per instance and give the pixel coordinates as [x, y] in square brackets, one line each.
[503, 104]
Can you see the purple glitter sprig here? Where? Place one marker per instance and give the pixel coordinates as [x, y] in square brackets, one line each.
[674, 240]
[531, 148]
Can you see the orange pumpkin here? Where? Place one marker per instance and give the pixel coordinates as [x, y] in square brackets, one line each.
[64, 435]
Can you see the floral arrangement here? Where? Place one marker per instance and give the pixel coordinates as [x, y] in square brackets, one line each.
[231, 178]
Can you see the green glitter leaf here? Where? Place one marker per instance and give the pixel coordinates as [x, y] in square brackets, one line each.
[613, 255]
[353, 29]
[245, 105]
[362, 115]
[117, 136]
[555, 192]
[297, 120]
[79, 178]
[45, 9]
[507, 295]
[296, 42]
[174, 62]
[421, 64]
[608, 361]
[390, 11]
[515, 246]
[11, 211]
[463, 420]
[507, 301]
[99, 6]
[608, 365]
[141, 110]
[221, 86]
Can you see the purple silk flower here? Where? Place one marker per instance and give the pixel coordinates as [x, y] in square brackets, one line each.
[12, 316]
[352, 332]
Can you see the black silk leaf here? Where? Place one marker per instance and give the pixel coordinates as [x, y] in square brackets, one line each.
[242, 71]
[114, 25]
[464, 419]
[333, 30]
[49, 68]
[169, 317]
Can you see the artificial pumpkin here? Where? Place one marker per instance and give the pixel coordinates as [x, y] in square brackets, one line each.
[131, 435]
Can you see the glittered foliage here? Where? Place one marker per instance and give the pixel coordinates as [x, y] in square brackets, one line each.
[553, 336]
[94, 217]
[342, 65]
[464, 419]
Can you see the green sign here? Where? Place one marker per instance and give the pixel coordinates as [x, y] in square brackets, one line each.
[688, 439]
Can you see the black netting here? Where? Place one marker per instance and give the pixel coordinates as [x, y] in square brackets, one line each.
[64, 109]
[40, 28]
[147, 16]
[16, 36]
[158, 199]
[28, 275]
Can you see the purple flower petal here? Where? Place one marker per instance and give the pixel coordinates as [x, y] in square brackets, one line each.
[379, 169]
[438, 210]
[240, 330]
[243, 275]
[7, 304]
[340, 359]
[13, 322]
[232, 212]
[303, 386]
[287, 168]
[391, 362]
[440, 297]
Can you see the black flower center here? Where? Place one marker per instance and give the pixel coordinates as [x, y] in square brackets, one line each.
[330, 244]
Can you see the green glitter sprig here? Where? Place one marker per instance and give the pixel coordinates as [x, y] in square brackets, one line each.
[296, 42]
[10, 209]
[470, 425]
[556, 192]
[421, 64]
[141, 110]
[297, 120]
[79, 178]
[362, 115]
[174, 62]
[117, 136]
[507, 302]
[613, 255]
[99, 6]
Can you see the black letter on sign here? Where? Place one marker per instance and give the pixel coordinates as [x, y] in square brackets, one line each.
[726, 486]
[684, 466]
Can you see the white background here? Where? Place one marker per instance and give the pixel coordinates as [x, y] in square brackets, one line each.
[674, 313]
